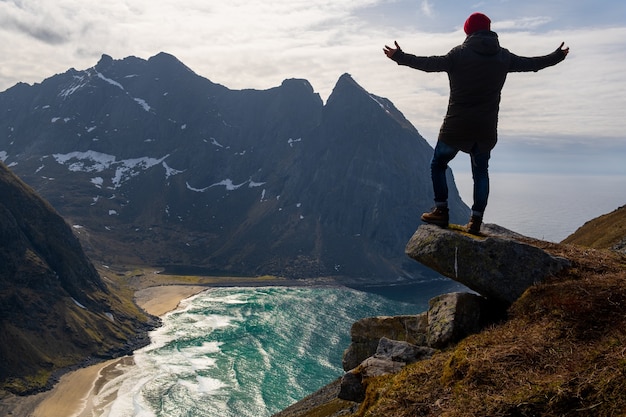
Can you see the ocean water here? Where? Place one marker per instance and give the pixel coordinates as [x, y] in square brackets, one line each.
[249, 352]
[547, 206]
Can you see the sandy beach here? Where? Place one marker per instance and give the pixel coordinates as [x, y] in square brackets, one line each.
[72, 396]
[157, 294]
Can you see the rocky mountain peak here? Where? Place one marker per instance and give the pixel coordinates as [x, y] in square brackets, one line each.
[104, 62]
[160, 166]
[346, 89]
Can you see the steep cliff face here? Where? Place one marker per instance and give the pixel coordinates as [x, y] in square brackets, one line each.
[163, 167]
[55, 310]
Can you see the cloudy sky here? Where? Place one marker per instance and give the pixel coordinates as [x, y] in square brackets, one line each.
[570, 117]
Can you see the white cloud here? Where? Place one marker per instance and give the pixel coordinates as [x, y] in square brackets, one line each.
[427, 8]
[525, 23]
[251, 44]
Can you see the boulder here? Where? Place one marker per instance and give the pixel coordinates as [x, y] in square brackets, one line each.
[451, 317]
[390, 358]
[402, 352]
[498, 266]
[351, 388]
[366, 333]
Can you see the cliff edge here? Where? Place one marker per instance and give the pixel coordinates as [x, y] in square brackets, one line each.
[499, 265]
[558, 351]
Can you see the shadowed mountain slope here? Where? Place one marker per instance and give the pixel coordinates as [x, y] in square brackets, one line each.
[163, 167]
[55, 310]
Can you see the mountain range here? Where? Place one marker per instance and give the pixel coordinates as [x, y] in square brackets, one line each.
[155, 165]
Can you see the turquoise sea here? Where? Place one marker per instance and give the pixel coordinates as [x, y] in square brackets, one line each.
[251, 352]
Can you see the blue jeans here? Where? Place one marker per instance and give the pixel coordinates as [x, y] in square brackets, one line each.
[480, 172]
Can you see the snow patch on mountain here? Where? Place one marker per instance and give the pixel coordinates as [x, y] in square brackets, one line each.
[228, 184]
[110, 81]
[92, 161]
[379, 101]
[132, 167]
[56, 119]
[89, 161]
[292, 141]
[139, 101]
[97, 181]
[143, 104]
[169, 171]
[83, 80]
[216, 143]
[79, 82]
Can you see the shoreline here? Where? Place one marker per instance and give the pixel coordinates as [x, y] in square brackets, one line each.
[73, 395]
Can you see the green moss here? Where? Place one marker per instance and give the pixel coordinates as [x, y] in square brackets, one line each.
[29, 384]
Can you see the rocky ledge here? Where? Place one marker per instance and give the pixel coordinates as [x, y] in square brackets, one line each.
[499, 266]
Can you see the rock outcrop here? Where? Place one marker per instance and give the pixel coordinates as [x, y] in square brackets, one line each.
[499, 266]
[383, 345]
[366, 333]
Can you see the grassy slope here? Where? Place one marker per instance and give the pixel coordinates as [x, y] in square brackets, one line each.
[602, 232]
[69, 336]
[562, 352]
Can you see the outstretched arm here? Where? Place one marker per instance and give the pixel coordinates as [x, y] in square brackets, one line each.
[423, 63]
[522, 64]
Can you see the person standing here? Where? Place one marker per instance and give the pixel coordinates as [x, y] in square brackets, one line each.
[477, 70]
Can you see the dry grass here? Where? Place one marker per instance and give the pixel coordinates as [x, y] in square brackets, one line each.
[602, 232]
[561, 353]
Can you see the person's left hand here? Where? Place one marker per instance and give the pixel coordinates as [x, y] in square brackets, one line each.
[389, 51]
[564, 50]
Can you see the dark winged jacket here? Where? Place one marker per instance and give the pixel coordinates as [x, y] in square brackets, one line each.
[477, 70]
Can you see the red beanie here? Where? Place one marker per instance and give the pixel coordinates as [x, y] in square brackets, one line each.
[476, 22]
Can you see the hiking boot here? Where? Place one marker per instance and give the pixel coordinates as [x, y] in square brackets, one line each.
[473, 226]
[439, 216]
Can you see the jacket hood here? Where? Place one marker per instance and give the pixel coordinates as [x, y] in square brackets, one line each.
[484, 42]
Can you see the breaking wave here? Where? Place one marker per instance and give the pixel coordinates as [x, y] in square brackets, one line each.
[238, 352]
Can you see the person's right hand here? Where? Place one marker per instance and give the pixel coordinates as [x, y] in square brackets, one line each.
[564, 50]
[389, 51]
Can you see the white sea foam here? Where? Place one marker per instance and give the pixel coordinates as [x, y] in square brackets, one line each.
[241, 352]
[209, 385]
